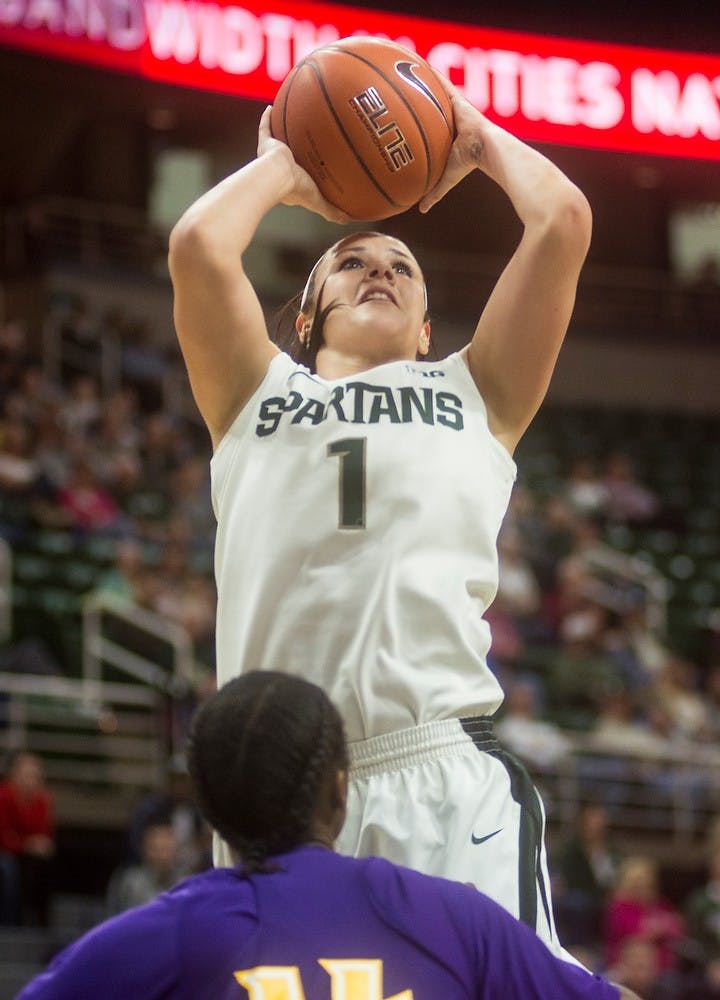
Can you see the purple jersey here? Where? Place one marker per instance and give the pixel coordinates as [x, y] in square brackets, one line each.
[323, 927]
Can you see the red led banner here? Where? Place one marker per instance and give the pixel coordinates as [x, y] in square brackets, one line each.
[545, 89]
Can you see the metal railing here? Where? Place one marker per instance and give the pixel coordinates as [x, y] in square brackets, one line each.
[108, 734]
[6, 570]
[618, 301]
[100, 358]
[617, 573]
[90, 233]
[100, 650]
[667, 793]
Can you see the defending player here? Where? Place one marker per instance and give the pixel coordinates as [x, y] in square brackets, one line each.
[296, 921]
[359, 495]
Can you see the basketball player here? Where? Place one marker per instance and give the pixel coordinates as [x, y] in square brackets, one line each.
[268, 759]
[359, 493]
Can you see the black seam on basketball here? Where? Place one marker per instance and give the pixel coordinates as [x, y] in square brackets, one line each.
[291, 81]
[411, 109]
[285, 104]
[346, 137]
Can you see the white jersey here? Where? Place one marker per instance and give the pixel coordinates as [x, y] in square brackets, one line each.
[356, 545]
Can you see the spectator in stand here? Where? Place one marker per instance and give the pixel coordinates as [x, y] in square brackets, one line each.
[27, 842]
[584, 872]
[621, 728]
[174, 805]
[638, 968]
[518, 588]
[81, 410]
[161, 451]
[52, 451]
[636, 909]
[513, 616]
[677, 692]
[15, 356]
[142, 363]
[507, 651]
[619, 643]
[628, 501]
[644, 642]
[584, 488]
[191, 499]
[33, 396]
[702, 912]
[123, 579]
[577, 588]
[580, 672]
[712, 702]
[551, 540]
[124, 481]
[185, 596]
[531, 738]
[158, 870]
[118, 433]
[85, 505]
[19, 470]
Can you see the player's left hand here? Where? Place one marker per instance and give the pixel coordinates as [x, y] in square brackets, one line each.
[466, 152]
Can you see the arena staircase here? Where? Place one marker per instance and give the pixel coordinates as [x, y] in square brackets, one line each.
[107, 735]
[25, 951]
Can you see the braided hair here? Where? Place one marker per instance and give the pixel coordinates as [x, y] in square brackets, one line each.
[260, 751]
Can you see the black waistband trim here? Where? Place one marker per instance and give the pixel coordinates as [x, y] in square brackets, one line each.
[481, 731]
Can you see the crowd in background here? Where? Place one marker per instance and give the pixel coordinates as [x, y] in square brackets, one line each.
[573, 651]
[113, 465]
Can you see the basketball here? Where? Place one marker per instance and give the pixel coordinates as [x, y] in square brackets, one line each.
[370, 121]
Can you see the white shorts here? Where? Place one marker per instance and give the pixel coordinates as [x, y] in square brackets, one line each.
[446, 799]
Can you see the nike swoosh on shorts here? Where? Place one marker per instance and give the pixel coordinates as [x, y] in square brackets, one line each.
[481, 840]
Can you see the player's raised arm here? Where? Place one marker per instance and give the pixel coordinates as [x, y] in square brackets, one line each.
[218, 318]
[516, 343]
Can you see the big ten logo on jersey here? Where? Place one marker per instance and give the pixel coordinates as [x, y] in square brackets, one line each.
[350, 979]
[363, 403]
[385, 132]
[426, 372]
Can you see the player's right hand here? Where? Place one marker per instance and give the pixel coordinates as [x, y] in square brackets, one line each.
[467, 148]
[305, 191]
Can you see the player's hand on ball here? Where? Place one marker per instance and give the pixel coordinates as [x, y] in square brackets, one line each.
[467, 148]
[305, 192]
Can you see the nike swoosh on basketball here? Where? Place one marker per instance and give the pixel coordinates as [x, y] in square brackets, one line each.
[405, 70]
[481, 840]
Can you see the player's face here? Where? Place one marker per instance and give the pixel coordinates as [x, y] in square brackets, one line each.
[379, 293]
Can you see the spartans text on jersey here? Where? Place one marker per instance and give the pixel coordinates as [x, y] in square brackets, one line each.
[363, 403]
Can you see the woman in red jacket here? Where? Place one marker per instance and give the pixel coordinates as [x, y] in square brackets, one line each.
[637, 910]
[27, 842]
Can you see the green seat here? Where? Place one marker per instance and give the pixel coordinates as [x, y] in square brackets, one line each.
[78, 575]
[99, 550]
[58, 601]
[54, 543]
[29, 568]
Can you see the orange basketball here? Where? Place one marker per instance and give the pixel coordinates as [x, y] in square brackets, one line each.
[371, 123]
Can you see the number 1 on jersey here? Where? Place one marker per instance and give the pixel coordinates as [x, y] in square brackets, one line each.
[351, 506]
